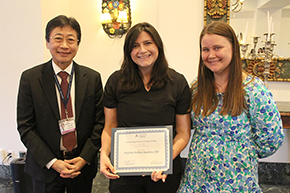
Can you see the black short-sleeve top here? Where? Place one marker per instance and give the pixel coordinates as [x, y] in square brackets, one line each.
[148, 108]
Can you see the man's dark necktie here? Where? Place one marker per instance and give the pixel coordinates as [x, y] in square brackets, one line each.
[69, 139]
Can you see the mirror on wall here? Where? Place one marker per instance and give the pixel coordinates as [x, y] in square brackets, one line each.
[253, 20]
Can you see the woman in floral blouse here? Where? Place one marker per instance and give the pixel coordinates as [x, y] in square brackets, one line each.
[235, 118]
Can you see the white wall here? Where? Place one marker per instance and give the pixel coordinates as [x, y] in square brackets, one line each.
[21, 41]
[22, 45]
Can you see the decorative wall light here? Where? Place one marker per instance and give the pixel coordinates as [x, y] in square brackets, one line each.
[216, 10]
[237, 5]
[116, 17]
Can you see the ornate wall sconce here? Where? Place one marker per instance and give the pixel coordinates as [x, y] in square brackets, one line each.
[116, 17]
[216, 10]
[237, 5]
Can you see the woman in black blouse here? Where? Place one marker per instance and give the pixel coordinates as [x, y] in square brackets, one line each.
[145, 92]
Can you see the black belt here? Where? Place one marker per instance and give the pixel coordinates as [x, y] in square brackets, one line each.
[69, 154]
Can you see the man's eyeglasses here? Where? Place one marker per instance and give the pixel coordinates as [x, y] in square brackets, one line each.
[60, 39]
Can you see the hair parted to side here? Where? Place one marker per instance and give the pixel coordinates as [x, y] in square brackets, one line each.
[204, 90]
[62, 21]
[131, 76]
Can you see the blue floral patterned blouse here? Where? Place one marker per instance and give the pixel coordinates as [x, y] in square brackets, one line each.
[224, 151]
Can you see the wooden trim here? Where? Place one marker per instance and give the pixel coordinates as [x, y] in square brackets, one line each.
[286, 120]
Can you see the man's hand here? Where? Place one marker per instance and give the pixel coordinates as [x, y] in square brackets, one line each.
[78, 162]
[66, 170]
[69, 168]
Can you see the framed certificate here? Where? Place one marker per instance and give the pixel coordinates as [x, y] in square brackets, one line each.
[141, 150]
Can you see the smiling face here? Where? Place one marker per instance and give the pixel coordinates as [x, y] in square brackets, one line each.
[144, 52]
[63, 45]
[216, 53]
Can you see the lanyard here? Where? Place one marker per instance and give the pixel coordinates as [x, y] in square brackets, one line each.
[65, 101]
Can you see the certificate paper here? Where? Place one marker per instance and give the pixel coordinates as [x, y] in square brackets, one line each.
[141, 150]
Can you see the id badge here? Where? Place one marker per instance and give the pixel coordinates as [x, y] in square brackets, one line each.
[67, 125]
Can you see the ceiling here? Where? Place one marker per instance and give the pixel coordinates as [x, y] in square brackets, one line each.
[266, 4]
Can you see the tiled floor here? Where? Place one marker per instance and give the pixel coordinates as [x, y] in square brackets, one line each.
[100, 185]
[6, 186]
[275, 188]
[275, 173]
